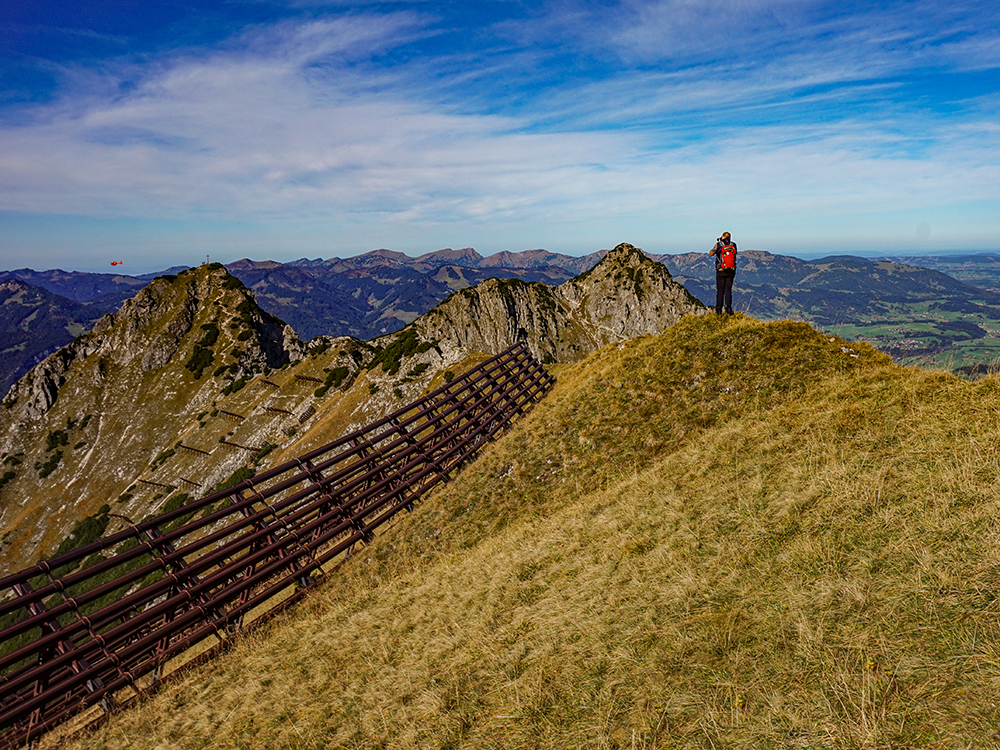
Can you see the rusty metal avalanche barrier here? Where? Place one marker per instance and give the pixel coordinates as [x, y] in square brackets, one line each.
[94, 628]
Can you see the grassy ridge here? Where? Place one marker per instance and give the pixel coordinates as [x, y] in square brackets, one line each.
[733, 535]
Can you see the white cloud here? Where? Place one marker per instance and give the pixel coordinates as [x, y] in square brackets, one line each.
[298, 123]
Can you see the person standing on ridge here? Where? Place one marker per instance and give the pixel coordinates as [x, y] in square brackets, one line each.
[725, 271]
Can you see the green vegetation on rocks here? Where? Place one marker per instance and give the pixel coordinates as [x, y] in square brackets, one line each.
[174, 502]
[200, 359]
[406, 344]
[55, 439]
[333, 379]
[240, 475]
[90, 529]
[236, 385]
[203, 356]
[318, 348]
[418, 370]
[46, 467]
[211, 335]
[162, 457]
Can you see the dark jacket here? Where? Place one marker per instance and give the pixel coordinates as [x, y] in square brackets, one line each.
[717, 252]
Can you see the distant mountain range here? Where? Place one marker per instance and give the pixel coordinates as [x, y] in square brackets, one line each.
[381, 291]
[981, 269]
[827, 291]
[913, 307]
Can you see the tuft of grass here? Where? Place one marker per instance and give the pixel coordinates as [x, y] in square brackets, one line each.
[737, 534]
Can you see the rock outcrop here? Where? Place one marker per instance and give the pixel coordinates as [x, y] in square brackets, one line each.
[625, 295]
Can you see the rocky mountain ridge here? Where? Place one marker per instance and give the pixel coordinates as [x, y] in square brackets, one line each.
[190, 383]
[625, 295]
[465, 258]
[380, 292]
[364, 296]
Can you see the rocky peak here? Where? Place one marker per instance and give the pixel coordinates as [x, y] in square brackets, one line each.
[83, 424]
[194, 316]
[625, 295]
[12, 285]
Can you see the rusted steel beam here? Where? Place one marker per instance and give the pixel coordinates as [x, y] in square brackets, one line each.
[237, 445]
[193, 450]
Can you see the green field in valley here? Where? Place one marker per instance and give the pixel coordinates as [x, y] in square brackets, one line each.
[929, 334]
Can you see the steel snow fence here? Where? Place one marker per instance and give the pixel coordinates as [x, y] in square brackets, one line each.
[97, 626]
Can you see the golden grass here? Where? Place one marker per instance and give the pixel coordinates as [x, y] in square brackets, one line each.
[733, 535]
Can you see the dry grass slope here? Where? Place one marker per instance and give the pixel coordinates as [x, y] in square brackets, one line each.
[738, 535]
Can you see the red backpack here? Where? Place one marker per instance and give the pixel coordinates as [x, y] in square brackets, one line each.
[727, 257]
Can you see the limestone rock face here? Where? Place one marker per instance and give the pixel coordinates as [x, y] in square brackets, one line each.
[167, 338]
[628, 295]
[37, 391]
[625, 295]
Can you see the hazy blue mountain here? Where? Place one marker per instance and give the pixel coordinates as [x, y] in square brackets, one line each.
[34, 322]
[981, 270]
[80, 286]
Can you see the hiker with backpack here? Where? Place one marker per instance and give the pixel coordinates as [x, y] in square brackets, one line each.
[725, 271]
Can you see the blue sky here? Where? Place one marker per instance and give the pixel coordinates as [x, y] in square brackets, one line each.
[159, 133]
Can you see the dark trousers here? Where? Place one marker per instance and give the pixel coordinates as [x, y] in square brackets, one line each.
[724, 291]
